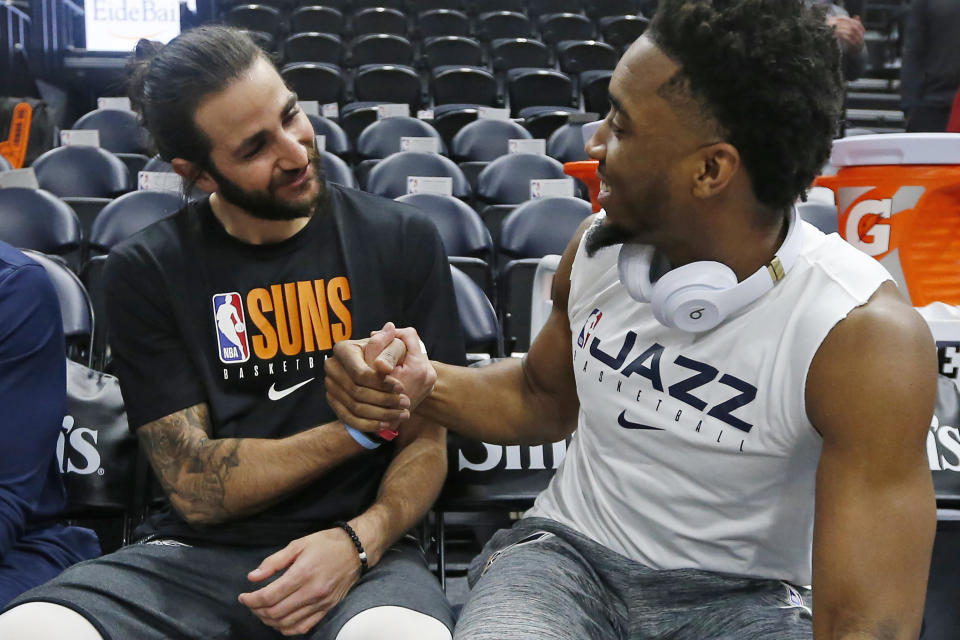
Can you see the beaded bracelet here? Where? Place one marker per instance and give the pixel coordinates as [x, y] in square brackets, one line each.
[356, 543]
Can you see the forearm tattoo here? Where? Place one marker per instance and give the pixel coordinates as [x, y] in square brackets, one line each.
[192, 468]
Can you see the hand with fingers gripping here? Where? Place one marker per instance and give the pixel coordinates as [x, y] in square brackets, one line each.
[374, 384]
[318, 571]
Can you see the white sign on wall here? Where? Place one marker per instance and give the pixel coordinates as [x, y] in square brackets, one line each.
[116, 25]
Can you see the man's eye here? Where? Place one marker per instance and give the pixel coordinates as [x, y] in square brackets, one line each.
[290, 116]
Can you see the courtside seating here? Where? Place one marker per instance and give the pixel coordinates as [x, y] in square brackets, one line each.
[451, 49]
[466, 240]
[36, 219]
[389, 177]
[566, 143]
[324, 83]
[593, 87]
[503, 24]
[380, 48]
[380, 19]
[338, 171]
[534, 229]
[481, 7]
[316, 18]
[382, 138]
[577, 56]
[621, 30]
[528, 87]
[597, 9]
[75, 309]
[513, 53]
[443, 22]
[388, 83]
[486, 140]
[313, 46]
[258, 17]
[478, 320]
[82, 171]
[335, 138]
[555, 27]
[120, 131]
[454, 84]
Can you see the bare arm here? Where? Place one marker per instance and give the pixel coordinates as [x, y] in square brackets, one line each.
[530, 401]
[212, 480]
[870, 392]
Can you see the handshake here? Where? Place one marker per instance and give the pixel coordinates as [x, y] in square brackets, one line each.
[374, 384]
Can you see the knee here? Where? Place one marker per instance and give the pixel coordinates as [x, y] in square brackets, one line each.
[396, 623]
[45, 621]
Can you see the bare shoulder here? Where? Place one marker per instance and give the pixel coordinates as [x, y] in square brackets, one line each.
[877, 365]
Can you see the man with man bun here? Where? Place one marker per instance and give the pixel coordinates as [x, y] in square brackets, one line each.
[280, 519]
[748, 398]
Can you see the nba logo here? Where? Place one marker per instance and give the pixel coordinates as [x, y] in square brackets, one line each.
[588, 327]
[231, 328]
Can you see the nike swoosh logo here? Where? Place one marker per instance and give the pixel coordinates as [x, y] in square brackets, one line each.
[274, 394]
[626, 424]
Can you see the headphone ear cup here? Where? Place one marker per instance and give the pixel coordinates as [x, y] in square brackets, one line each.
[633, 268]
[689, 297]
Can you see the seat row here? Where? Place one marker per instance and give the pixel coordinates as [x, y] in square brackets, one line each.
[550, 28]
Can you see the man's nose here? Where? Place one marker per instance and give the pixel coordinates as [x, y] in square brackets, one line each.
[593, 140]
[293, 153]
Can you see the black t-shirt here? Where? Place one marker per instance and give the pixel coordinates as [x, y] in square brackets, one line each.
[199, 316]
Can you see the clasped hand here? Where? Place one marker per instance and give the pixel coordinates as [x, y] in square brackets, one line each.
[370, 386]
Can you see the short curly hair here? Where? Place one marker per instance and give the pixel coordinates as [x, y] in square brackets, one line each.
[768, 72]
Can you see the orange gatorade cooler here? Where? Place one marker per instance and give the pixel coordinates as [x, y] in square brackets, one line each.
[898, 199]
[586, 172]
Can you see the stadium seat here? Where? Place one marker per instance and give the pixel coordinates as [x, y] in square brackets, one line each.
[5, 164]
[541, 122]
[481, 7]
[506, 180]
[156, 163]
[359, 5]
[36, 219]
[82, 171]
[335, 138]
[555, 27]
[389, 177]
[337, 171]
[380, 19]
[380, 48]
[534, 229]
[128, 214]
[313, 46]
[314, 81]
[512, 53]
[577, 56]
[478, 320]
[467, 242]
[443, 22]
[388, 83]
[419, 6]
[458, 84]
[486, 140]
[75, 309]
[598, 9]
[502, 24]
[529, 87]
[256, 17]
[120, 131]
[317, 19]
[593, 87]
[566, 143]
[537, 8]
[382, 138]
[445, 50]
[355, 116]
[448, 119]
[111, 502]
[621, 30]
[135, 162]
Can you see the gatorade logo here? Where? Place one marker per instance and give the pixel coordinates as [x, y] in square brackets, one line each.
[77, 449]
[868, 226]
[867, 213]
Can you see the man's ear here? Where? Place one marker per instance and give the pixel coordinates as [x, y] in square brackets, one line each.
[715, 168]
[190, 171]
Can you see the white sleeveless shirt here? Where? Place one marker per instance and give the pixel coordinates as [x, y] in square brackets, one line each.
[695, 450]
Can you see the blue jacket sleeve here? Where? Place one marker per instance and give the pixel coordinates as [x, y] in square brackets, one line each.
[32, 394]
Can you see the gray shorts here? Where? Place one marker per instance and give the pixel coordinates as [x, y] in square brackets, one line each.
[167, 590]
[541, 580]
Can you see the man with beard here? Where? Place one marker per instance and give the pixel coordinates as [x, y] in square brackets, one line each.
[281, 520]
[749, 399]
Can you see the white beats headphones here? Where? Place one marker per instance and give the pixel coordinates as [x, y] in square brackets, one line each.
[699, 296]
